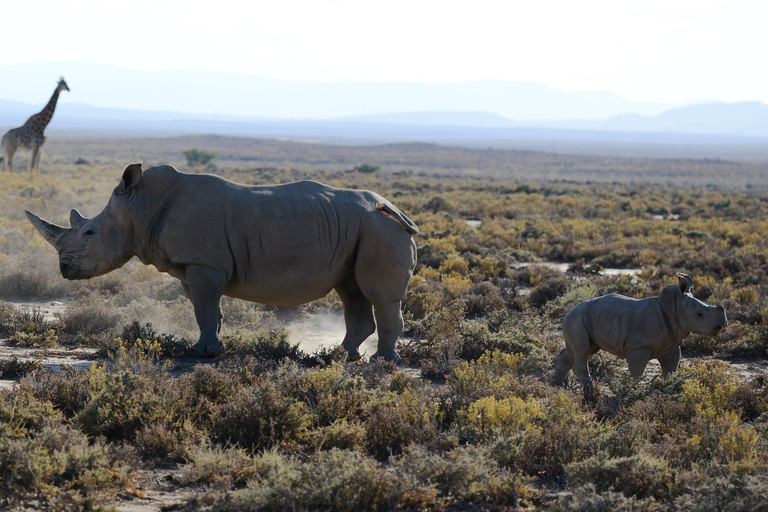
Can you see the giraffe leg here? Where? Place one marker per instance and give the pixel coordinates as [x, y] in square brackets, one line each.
[34, 165]
[9, 158]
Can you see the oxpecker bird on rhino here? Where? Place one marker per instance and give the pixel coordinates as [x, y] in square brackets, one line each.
[637, 330]
[281, 245]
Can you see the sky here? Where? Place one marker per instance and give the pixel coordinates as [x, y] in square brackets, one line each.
[666, 51]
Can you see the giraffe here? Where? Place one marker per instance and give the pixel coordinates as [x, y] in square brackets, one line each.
[30, 136]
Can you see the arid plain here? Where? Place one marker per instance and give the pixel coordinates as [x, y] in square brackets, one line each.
[102, 406]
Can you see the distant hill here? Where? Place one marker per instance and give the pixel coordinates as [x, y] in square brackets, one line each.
[741, 119]
[207, 92]
[174, 103]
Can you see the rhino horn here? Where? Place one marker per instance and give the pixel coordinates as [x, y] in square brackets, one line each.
[75, 219]
[686, 283]
[51, 232]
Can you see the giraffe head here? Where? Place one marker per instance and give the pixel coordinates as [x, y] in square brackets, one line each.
[62, 85]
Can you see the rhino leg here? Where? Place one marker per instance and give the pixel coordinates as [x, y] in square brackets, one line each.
[563, 364]
[637, 360]
[389, 322]
[386, 258]
[578, 346]
[670, 361]
[205, 287]
[358, 317]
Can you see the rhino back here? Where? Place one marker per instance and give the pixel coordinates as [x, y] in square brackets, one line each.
[618, 323]
[283, 244]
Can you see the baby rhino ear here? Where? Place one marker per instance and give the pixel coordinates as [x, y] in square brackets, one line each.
[686, 283]
[131, 176]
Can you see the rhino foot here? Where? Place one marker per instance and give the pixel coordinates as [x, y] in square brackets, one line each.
[201, 349]
[353, 356]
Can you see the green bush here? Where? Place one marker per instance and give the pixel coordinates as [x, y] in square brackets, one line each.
[197, 156]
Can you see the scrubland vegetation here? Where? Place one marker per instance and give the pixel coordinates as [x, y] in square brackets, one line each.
[470, 420]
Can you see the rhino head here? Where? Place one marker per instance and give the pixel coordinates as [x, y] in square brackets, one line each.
[93, 247]
[694, 315]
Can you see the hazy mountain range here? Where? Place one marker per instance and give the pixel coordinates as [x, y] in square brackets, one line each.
[112, 100]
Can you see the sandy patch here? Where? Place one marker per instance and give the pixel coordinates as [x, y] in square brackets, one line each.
[52, 359]
[49, 308]
[324, 331]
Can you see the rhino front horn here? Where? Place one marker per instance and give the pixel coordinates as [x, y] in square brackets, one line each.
[51, 232]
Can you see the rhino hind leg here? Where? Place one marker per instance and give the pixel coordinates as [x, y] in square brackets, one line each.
[563, 364]
[579, 346]
[389, 322]
[358, 317]
[386, 258]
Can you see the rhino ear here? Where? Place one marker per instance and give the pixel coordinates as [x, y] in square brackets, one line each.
[75, 219]
[131, 176]
[51, 232]
[686, 283]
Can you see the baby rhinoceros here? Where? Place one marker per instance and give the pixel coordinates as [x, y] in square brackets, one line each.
[636, 329]
[283, 245]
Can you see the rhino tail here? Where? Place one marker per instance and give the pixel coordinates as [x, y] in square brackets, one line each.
[399, 216]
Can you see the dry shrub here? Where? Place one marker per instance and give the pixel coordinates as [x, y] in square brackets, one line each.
[29, 328]
[641, 475]
[14, 368]
[261, 417]
[88, 317]
[341, 434]
[588, 499]
[548, 290]
[483, 298]
[77, 474]
[467, 474]
[396, 421]
[349, 482]
[7, 312]
[66, 390]
[565, 434]
[218, 466]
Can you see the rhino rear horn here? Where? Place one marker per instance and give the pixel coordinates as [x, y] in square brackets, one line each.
[75, 219]
[686, 283]
[51, 232]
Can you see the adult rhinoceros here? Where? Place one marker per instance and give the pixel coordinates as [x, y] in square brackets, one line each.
[636, 329]
[281, 245]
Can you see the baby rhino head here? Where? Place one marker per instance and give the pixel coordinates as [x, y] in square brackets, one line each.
[696, 316]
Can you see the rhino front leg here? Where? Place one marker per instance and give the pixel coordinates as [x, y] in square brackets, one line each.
[205, 287]
[637, 360]
[670, 361]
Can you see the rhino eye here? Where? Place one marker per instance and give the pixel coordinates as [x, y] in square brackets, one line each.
[699, 314]
[88, 233]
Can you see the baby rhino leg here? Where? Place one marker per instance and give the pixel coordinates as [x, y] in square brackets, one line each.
[637, 359]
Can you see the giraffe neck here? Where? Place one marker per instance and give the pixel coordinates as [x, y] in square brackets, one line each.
[46, 114]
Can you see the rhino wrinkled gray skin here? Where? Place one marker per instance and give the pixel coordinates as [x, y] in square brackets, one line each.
[636, 329]
[281, 245]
